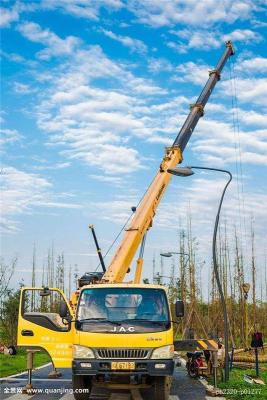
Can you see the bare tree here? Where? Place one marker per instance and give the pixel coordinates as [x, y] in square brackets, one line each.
[6, 273]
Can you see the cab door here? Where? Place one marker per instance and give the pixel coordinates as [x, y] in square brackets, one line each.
[40, 325]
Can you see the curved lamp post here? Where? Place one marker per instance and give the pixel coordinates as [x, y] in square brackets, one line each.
[171, 253]
[187, 171]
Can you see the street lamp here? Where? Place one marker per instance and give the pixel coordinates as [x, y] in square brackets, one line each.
[187, 171]
[170, 254]
[164, 276]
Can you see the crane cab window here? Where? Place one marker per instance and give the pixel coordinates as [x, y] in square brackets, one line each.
[41, 306]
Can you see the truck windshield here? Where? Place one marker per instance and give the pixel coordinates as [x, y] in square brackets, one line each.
[123, 310]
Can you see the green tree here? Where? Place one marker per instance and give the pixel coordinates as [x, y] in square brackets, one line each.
[9, 317]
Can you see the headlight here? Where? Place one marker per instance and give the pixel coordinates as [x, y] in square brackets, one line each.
[163, 352]
[82, 352]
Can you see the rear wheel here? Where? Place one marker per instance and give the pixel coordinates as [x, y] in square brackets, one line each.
[12, 350]
[193, 369]
[162, 387]
[82, 386]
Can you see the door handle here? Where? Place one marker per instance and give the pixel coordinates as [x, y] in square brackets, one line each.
[26, 332]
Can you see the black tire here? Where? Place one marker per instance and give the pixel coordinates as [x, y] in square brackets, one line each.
[192, 370]
[81, 382]
[12, 350]
[162, 387]
[187, 366]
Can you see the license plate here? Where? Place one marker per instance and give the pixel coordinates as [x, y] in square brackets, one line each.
[122, 365]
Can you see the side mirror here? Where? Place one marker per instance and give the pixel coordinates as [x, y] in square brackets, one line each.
[63, 309]
[179, 308]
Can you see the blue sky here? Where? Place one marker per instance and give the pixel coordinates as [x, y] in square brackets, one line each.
[93, 91]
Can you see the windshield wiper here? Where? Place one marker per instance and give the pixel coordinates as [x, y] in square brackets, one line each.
[145, 320]
[99, 319]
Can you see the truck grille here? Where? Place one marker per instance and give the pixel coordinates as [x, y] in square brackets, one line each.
[122, 353]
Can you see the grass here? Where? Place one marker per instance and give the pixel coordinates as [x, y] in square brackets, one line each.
[237, 388]
[10, 365]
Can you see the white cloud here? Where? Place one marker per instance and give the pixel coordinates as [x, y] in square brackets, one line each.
[95, 124]
[166, 141]
[192, 72]
[55, 45]
[22, 88]
[77, 73]
[82, 8]
[134, 44]
[179, 47]
[189, 39]
[242, 35]
[253, 118]
[254, 64]
[21, 193]
[214, 138]
[117, 210]
[156, 65]
[108, 157]
[258, 24]
[169, 12]
[8, 15]
[12, 57]
[9, 136]
[113, 180]
[12, 14]
[54, 167]
[251, 90]
[152, 12]
[206, 40]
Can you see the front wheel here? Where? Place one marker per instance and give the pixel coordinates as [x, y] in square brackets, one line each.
[82, 386]
[162, 387]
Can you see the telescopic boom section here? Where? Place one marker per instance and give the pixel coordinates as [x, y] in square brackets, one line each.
[146, 210]
[197, 109]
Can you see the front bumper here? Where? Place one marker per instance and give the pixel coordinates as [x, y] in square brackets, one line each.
[142, 367]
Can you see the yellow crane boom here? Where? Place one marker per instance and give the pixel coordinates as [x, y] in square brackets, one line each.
[145, 212]
[143, 218]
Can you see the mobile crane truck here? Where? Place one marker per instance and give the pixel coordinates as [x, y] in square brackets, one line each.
[118, 333]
